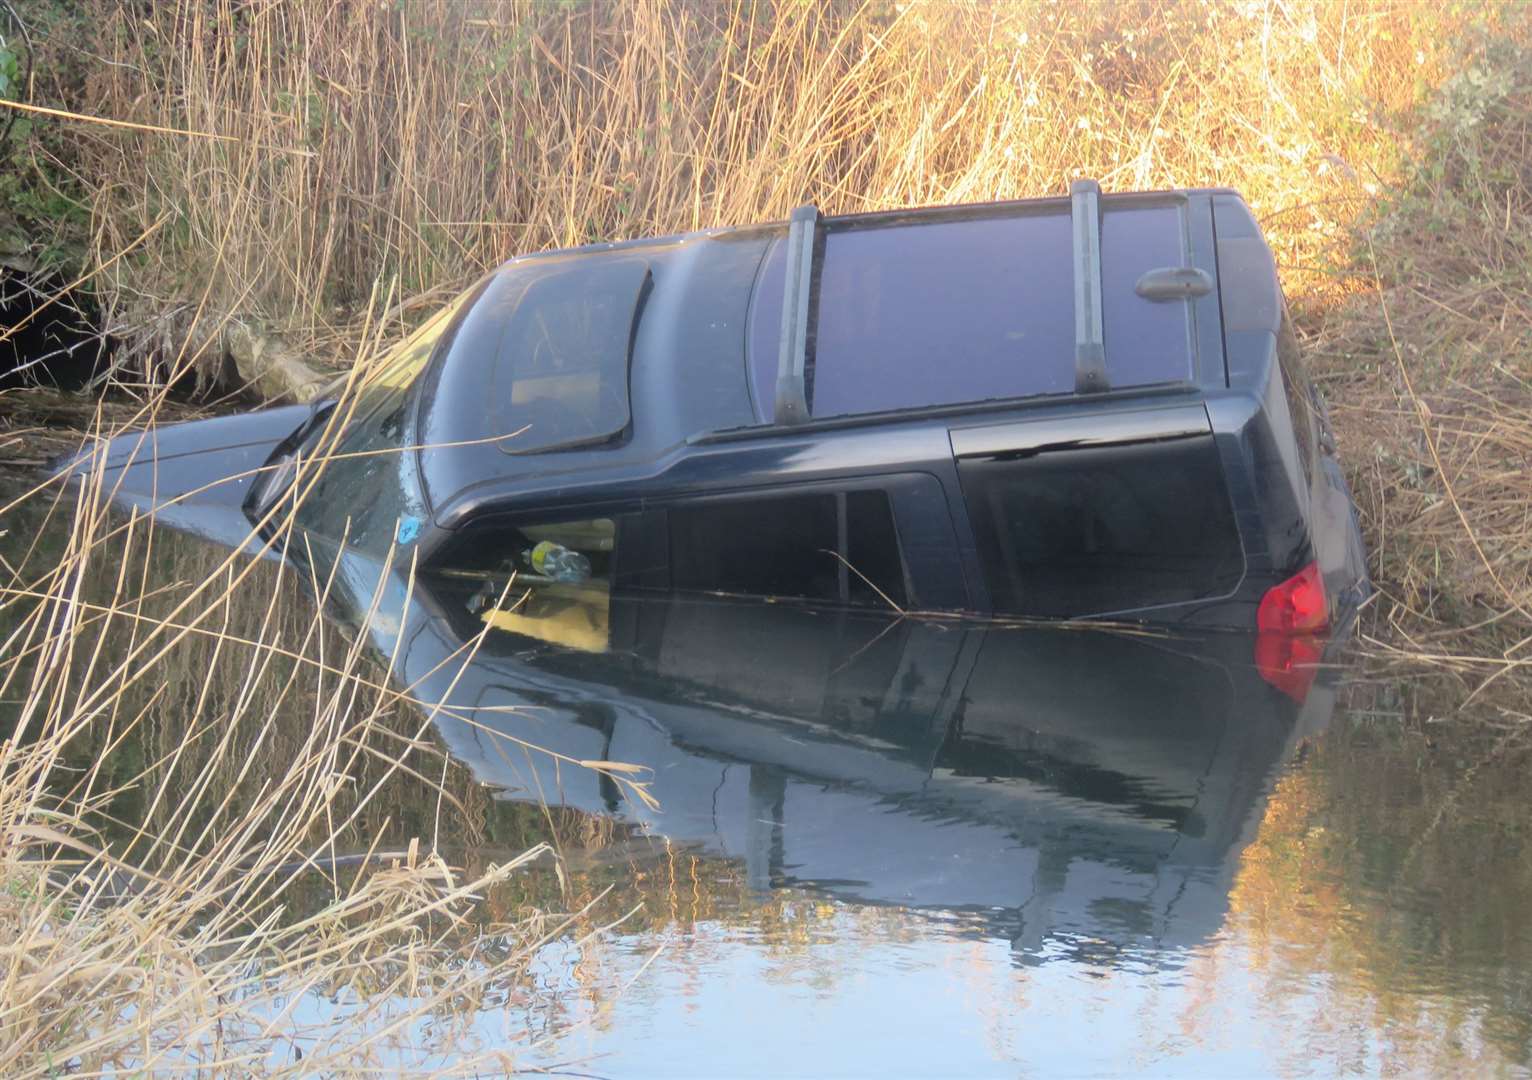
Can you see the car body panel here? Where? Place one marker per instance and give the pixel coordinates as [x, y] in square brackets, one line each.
[195, 475]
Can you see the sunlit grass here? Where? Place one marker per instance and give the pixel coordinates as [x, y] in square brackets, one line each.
[1383, 146]
[1380, 145]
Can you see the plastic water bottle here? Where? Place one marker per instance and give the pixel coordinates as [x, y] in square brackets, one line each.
[556, 561]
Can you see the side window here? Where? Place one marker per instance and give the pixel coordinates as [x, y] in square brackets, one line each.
[833, 548]
[552, 582]
[1114, 528]
[1300, 395]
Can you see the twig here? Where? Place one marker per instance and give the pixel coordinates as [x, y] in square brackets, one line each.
[65, 114]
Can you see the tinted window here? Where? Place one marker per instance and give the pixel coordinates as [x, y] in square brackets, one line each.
[372, 454]
[1299, 394]
[872, 550]
[787, 546]
[1080, 532]
[956, 309]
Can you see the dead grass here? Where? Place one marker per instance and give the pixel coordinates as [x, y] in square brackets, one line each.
[1382, 144]
[430, 140]
[1387, 148]
[335, 146]
[1428, 367]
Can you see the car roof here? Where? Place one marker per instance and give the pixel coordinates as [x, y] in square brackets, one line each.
[863, 318]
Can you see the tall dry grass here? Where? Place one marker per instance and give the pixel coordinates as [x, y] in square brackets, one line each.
[423, 143]
[307, 151]
[344, 142]
[1428, 363]
[341, 144]
[219, 811]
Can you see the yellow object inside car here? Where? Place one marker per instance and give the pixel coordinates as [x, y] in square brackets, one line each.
[575, 615]
[581, 625]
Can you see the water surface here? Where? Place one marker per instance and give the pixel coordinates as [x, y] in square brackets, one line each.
[889, 846]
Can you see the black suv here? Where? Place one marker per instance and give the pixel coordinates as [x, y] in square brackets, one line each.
[1089, 406]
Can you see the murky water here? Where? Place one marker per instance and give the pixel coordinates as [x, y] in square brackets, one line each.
[861, 845]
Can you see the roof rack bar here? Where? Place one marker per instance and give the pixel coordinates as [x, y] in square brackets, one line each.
[798, 303]
[1090, 347]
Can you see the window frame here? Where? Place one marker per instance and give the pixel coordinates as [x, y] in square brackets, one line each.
[649, 517]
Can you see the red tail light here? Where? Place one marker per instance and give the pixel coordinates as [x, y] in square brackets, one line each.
[1290, 617]
[1297, 606]
[1289, 662]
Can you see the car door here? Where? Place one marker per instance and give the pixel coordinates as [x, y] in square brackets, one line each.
[878, 542]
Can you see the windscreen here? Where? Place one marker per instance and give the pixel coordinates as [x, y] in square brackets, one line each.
[374, 453]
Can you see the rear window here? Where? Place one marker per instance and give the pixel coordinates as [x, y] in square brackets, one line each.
[1106, 529]
[952, 309]
[1299, 393]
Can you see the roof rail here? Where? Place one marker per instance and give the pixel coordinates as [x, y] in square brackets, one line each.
[799, 303]
[1090, 349]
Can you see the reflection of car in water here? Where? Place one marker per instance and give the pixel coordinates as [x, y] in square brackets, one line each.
[1090, 406]
[1061, 783]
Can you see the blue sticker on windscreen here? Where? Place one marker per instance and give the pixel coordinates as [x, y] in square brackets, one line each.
[409, 529]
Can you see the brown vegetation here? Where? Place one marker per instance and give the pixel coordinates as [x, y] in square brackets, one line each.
[214, 811]
[286, 163]
[337, 144]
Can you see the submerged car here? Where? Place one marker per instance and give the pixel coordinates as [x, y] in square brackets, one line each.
[1089, 406]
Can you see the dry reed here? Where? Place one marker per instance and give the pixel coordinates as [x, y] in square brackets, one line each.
[1385, 147]
[218, 810]
[441, 137]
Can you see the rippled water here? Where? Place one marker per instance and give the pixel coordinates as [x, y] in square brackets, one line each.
[1372, 928]
[901, 847]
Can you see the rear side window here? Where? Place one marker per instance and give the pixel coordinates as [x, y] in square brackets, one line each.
[1105, 529]
[832, 548]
